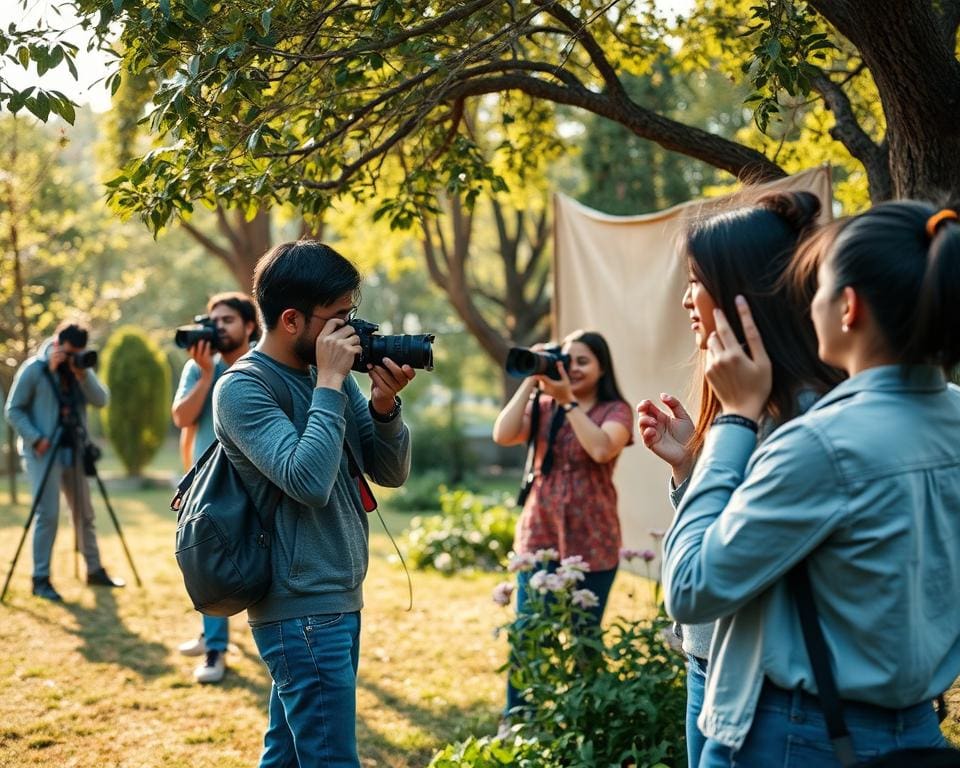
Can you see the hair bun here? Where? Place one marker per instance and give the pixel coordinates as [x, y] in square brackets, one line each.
[798, 209]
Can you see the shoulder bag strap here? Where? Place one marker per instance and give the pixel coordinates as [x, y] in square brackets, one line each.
[278, 388]
[819, 654]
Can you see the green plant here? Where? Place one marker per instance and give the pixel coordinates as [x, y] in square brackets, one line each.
[469, 533]
[593, 698]
[421, 492]
[490, 752]
[136, 418]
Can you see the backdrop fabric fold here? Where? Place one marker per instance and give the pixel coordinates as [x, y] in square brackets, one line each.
[624, 276]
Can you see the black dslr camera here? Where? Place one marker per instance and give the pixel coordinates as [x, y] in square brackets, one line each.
[413, 350]
[523, 362]
[77, 336]
[202, 329]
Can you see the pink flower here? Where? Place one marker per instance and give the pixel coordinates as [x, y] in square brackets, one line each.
[538, 581]
[648, 555]
[546, 555]
[570, 575]
[575, 563]
[503, 592]
[521, 562]
[585, 598]
[630, 554]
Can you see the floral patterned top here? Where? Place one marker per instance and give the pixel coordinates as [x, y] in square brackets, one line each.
[573, 509]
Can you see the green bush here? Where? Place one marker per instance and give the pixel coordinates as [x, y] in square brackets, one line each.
[421, 492]
[470, 533]
[136, 418]
[489, 752]
[613, 698]
[441, 446]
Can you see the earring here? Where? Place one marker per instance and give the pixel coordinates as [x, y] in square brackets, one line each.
[845, 328]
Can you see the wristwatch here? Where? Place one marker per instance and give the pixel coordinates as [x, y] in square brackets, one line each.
[388, 417]
[567, 407]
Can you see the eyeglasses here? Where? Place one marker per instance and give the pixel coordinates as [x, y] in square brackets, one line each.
[351, 315]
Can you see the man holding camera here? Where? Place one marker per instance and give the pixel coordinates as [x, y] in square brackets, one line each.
[234, 319]
[47, 407]
[307, 627]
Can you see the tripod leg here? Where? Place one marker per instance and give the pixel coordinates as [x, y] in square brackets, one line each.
[116, 524]
[52, 450]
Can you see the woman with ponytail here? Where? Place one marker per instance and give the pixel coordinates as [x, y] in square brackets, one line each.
[859, 495]
[744, 251]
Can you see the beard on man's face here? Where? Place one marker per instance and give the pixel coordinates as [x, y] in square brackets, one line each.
[305, 348]
[226, 343]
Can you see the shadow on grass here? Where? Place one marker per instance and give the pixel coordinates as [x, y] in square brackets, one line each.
[472, 718]
[106, 640]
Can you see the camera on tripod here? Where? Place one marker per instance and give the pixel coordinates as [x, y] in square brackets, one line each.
[523, 362]
[202, 329]
[414, 350]
[77, 337]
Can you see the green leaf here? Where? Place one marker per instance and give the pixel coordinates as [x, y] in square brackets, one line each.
[265, 19]
[23, 55]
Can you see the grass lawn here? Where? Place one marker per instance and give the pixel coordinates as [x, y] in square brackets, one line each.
[97, 682]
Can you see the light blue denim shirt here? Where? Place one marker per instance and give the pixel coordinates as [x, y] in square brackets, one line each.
[866, 487]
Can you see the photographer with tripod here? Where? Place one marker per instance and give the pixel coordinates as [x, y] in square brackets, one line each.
[220, 339]
[47, 407]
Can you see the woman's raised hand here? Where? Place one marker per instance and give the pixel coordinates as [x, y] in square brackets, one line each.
[740, 381]
[667, 435]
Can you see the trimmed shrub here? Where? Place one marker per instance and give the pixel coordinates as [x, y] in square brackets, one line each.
[136, 418]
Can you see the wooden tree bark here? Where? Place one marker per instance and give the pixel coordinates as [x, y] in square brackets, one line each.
[523, 305]
[244, 242]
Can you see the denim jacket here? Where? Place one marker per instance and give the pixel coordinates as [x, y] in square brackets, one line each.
[866, 488]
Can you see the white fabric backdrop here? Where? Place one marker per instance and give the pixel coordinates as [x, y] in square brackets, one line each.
[624, 277]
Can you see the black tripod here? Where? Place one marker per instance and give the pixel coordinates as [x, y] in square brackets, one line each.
[70, 432]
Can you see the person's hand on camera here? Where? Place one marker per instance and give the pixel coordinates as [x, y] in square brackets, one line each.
[337, 347]
[667, 434]
[202, 354]
[58, 356]
[562, 390]
[41, 447]
[386, 381]
[741, 382]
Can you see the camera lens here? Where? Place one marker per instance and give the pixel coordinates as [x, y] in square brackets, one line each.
[414, 350]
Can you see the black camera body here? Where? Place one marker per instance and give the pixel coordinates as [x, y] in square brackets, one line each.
[523, 362]
[77, 337]
[414, 350]
[202, 329]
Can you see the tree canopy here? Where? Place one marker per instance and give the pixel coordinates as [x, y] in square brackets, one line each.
[298, 101]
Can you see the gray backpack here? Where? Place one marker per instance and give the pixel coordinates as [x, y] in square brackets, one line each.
[223, 540]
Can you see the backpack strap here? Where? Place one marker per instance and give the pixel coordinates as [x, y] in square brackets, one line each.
[265, 374]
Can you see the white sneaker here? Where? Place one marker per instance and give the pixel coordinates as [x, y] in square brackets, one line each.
[212, 670]
[195, 647]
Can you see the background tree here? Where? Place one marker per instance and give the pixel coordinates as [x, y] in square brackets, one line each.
[137, 417]
[294, 103]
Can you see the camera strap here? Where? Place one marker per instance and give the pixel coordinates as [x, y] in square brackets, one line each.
[367, 499]
[556, 421]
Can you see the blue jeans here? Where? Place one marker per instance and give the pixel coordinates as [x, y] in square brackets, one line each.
[598, 582]
[789, 731]
[215, 633]
[696, 683]
[313, 700]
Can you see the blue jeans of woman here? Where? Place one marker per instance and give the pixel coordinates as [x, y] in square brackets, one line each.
[696, 684]
[598, 582]
[313, 700]
[789, 731]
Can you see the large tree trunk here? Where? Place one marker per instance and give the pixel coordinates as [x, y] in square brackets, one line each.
[245, 242]
[910, 50]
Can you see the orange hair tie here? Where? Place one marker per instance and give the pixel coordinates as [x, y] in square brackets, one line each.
[938, 218]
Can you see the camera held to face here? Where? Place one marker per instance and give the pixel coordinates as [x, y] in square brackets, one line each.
[523, 362]
[77, 338]
[413, 350]
[202, 329]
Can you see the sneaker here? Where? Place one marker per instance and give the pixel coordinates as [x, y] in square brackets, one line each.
[43, 588]
[212, 669]
[195, 647]
[101, 579]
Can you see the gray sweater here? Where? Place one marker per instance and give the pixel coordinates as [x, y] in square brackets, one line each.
[320, 543]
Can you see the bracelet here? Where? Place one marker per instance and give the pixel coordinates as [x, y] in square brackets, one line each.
[567, 407]
[740, 421]
[390, 416]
